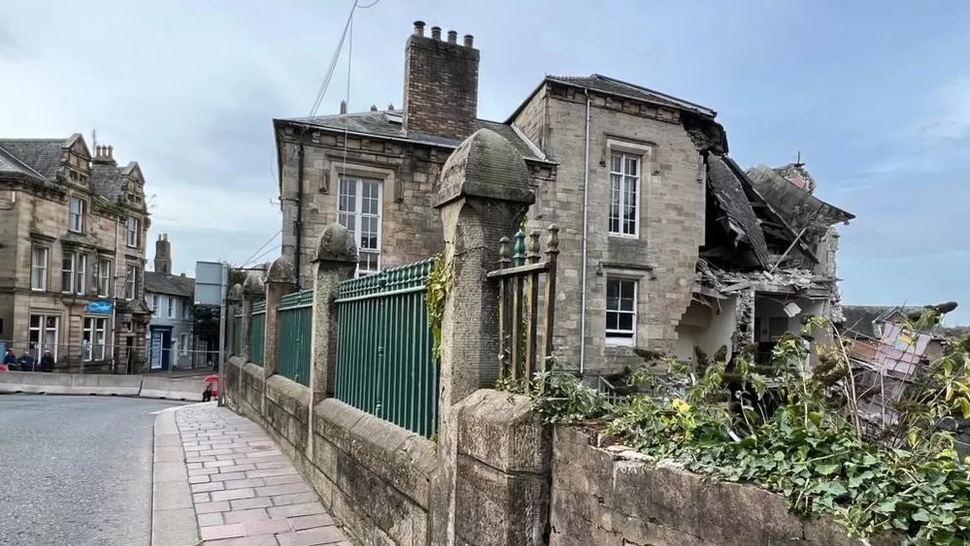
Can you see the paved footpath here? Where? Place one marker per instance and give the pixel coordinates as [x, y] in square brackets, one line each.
[244, 491]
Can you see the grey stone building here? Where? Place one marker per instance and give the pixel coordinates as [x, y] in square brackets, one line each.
[72, 253]
[667, 244]
[171, 298]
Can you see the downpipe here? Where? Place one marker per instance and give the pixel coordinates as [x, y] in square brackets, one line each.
[582, 312]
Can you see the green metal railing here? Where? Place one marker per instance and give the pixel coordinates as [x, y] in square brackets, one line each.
[384, 362]
[295, 332]
[257, 333]
[235, 341]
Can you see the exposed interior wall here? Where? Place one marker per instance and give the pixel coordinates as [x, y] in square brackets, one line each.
[607, 501]
[708, 328]
[373, 477]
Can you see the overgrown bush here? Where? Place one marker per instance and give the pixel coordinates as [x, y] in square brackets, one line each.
[810, 445]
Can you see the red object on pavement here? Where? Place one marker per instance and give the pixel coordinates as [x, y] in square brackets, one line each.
[4, 368]
[213, 383]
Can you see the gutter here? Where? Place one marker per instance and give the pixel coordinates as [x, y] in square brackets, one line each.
[582, 312]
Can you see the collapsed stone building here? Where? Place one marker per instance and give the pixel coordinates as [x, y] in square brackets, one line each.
[667, 244]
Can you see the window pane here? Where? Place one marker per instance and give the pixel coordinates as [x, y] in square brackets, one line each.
[612, 321]
[616, 163]
[632, 166]
[626, 321]
[612, 291]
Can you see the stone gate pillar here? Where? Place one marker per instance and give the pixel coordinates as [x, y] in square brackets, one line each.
[280, 281]
[253, 291]
[484, 195]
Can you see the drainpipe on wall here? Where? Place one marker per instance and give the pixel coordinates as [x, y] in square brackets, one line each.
[113, 293]
[299, 218]
[582, 312]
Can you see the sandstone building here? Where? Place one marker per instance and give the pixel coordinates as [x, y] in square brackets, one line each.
[667, 244]
[72, 254]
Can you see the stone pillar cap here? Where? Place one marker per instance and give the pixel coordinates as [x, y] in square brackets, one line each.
[336, 244]
[253, 284]
[236, 292]
[282, 271]
[486, 165]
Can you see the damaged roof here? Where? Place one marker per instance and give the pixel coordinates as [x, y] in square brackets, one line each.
[801, 209]
[387, 124]
[861, 319]
[724, 179]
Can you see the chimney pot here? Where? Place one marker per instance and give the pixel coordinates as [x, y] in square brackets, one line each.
[343, 107]
[452, 37]
[111, 150]
[436, 33]
[373, 108]
[390, 106]
[419, 28]
[469, 40]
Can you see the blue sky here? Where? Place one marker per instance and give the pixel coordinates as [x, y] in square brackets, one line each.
[875, 95]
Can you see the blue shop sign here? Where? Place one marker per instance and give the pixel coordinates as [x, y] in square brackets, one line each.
[101, 307]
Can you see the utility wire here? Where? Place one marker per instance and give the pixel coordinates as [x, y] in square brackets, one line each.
[263, 255]
[271, 239]
[333, 63]
[372, 4]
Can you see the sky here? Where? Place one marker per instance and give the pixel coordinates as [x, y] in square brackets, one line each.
[875, 95]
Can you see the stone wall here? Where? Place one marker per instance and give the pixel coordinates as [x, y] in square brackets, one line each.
[374, 477]
[599, 499]
[662, 258]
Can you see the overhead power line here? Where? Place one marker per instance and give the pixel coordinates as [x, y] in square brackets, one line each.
[271, 239]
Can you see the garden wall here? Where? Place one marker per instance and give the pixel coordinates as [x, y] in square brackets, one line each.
[602, 498]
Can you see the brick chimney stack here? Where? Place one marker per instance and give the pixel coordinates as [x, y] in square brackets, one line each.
[440, 84]
[104, 155]
[163, 255]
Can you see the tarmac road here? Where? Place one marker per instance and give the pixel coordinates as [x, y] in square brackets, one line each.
[76, 471]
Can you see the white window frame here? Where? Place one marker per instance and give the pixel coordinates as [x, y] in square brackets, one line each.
[618, 336]
[76, 275]
[75, 219]
[39, 283]
[133, 231]
[155, 303]
[42, 331]
[183, 344]
[131, 279]
[81, 275]
[104, 278]
[93, 329]
[170, 312]
[358, 183]
[624, 179]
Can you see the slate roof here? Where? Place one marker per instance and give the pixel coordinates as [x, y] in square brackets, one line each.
[387, 124]
[612, 86]
[169, 285]
[860, 319]
[106, 180]
[800, 208]
[725, 181]
[41, 155]
[10, 165]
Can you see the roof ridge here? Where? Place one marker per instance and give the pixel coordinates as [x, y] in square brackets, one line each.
[653, 91]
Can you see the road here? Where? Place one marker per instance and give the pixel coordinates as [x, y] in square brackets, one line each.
[76, 471]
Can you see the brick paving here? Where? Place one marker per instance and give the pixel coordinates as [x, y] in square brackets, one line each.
[245, 491]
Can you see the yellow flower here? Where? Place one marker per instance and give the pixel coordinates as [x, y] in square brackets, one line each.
[680, 405]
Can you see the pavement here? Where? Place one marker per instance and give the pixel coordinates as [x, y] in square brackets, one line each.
[223, 473]
[76, 470]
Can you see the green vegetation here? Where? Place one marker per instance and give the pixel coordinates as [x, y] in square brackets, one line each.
[795, 430]
[438, 284]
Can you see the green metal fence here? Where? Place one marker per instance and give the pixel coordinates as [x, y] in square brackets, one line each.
[295, 332]
[257, 333]
[384, 362]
